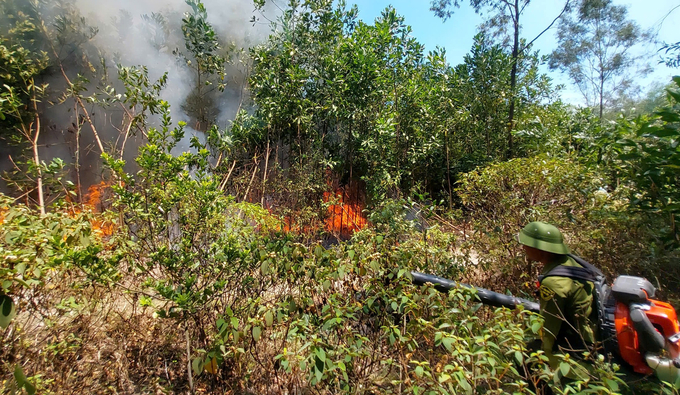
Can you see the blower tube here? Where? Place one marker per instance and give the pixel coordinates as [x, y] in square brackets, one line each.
[485, 296]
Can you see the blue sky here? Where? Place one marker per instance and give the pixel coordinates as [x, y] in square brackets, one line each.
[455, 35]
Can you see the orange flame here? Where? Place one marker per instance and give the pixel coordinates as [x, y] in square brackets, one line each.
[346, 215]
[95, 194]
[93, 202]
[345, 211]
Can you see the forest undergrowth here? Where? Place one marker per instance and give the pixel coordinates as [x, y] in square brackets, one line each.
[205, 257]
[215, 298]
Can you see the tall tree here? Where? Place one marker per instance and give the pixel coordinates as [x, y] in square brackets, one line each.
[595, 42]
[207, 59]
[505, 22]
[671, 55]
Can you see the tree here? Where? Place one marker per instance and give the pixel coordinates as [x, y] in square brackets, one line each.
[595, 42]
[649, 156]
[205, 58]
[505, 13]
[19, 100]
[672, 54]
[483, 91]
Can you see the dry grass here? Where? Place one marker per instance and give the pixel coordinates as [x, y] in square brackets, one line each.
[92, 340]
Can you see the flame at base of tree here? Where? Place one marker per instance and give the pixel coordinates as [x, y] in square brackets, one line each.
[94, 202]
[346, 211]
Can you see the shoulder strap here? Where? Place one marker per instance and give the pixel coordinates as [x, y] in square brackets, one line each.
[587, 272]
[587, 265]
[573, 272]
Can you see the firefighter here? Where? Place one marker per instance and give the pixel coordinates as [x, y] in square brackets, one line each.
[566, 304]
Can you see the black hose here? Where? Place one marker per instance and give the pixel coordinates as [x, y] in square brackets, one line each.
[485, 296]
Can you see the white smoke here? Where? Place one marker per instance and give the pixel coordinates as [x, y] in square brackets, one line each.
[128, 35]
[124, 33]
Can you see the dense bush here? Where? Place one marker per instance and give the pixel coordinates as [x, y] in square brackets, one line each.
[500, 199]
[648, 157]
[288, 318]
[186, 285]
[45, 262]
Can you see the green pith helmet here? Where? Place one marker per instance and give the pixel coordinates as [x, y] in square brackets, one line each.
[544, 237]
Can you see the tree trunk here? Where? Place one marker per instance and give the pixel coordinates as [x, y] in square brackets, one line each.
[513, 80]
[266, 169]
[36, 156]
[601, 95]
[448, 169]
[36, 160]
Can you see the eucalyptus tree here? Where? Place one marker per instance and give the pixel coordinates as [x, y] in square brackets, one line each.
[595, 49]
[671, 54]
[504, 21]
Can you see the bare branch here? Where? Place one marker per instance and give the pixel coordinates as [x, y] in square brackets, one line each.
[566, 7]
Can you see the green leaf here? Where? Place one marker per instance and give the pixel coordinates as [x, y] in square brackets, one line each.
[519, 357]
[257, 332]
[20, 268]
[264, 268]
[321, 354]
[462, 381]
[7, 311]
[448, 343]
[564, 369]
[221, 325]
[11, 236]
[197, 365]
[22, 380]
[612, 384]
[268, 318]
[419, 371]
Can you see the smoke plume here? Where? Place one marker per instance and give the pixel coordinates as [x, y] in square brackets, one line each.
[146, 33]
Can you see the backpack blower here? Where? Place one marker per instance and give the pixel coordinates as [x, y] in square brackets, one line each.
[637, 331]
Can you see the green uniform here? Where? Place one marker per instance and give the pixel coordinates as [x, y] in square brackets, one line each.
[567, 310]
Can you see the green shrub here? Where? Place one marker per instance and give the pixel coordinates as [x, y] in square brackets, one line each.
[598, 225]
[39, 253]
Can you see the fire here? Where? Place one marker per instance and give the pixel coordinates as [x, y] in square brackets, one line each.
[94, 195]
[346, 214]
[290, 226]
[93, 202]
